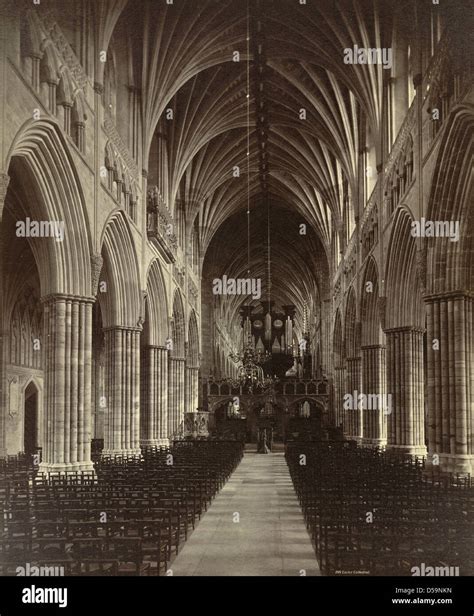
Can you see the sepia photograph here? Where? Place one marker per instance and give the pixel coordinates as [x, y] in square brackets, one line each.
[236, 302]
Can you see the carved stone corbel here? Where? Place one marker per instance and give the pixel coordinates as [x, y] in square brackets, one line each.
[4, 181]
[421, 267]
[382, 307]
[144, 297]
[96, 268]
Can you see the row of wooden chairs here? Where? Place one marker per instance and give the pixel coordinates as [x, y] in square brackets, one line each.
[373, 513]
[126, 518]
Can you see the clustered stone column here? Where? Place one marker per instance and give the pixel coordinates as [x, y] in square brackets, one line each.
[450, 392]
[339, 390]
[353, 423]
[176, 389]
[98, 385]
[374, 382]
[326, 320]
[67, 369]
[192, 389]
[122, 424]
[4, 181]
[154, 411]
[405, 384]
[162, 366]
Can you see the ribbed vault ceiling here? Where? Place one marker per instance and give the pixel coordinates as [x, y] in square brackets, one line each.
[294, 60]
[298, 271]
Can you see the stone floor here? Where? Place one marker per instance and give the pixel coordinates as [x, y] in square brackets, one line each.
[253, 527]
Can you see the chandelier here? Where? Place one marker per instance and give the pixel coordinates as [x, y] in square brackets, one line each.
[250, 373]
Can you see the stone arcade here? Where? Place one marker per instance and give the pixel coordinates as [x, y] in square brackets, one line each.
[136, 265]
[124, 314]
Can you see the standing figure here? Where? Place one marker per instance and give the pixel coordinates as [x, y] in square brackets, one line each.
[262, 442]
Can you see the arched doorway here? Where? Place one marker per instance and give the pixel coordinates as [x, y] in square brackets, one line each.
[305, 420]
[30, 436]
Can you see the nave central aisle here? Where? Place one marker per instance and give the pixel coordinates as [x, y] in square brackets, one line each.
[270, 536]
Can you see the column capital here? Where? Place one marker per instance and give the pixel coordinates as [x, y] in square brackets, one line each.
[454, 295]
[125, 328]
[352, 359]
[65, 297]
[369, 347]
[405, 329]
[178, 359]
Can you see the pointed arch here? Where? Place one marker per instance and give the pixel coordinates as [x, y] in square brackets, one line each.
[193, 339]
[451, 198]
[121, 303]
[157, 305]
[403, 288]
[106, 16]
[371, 331]
[351, 333]
[178, 328]
[39, 156]
[337, 341]
[26, 316]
